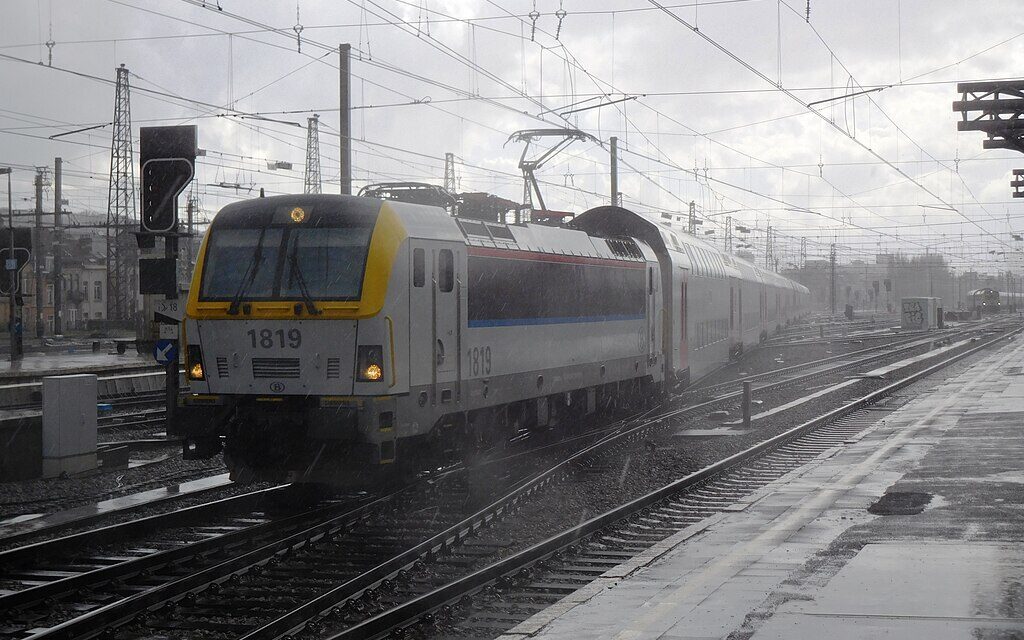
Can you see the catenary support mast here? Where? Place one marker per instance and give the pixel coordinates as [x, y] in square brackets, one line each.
[121, 214]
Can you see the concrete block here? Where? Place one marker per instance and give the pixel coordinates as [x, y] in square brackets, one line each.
[920, 313]
[69, 424]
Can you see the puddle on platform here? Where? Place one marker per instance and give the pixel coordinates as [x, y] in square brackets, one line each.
[901, 503]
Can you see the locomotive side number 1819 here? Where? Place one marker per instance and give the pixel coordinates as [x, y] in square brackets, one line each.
[268, 339]
[479, 360]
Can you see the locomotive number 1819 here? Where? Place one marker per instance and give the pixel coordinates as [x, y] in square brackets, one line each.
[270, 338]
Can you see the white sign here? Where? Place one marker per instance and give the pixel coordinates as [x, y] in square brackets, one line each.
[169, 331]
[172, 310]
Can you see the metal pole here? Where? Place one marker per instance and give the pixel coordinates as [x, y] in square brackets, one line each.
[58, 248]
[345, 113]
[190, 210]
[171, 370]
[746, 403]
[37, 251]
[615, 170]
[13, 316]
[832, 279]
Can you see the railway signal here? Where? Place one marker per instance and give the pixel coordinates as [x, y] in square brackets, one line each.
[167, 158]
[163, 179]
[15, 254]
[16, 264]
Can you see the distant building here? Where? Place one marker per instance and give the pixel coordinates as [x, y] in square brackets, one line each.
[879, 286]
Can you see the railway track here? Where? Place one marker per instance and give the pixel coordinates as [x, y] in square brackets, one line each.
[349, 568]
[861, 357]
[421, 573]
[170, 558]
[493, 599]
[94, 570]
[152, 417]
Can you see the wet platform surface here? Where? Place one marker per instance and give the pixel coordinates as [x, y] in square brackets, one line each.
[27, 524]
[805, 559]
[36, 365]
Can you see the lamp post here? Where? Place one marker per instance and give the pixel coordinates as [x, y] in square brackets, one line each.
[12, 270]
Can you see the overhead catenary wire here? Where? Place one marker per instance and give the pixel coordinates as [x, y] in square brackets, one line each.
[512, 176]
[797, 99]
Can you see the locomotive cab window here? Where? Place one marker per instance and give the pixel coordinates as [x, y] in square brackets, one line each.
[445, 270]
[266, 256]
[418, 268]
[232, 259]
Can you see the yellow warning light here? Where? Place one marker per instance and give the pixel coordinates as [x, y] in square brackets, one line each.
[298, 214]
[373, 372]
[196, 372]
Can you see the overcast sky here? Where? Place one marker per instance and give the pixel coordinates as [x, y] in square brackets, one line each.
[705, 119]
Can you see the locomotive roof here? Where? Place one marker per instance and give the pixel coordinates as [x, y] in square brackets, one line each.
[421, 221]
[258, 212]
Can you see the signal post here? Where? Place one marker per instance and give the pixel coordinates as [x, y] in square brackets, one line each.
[167, 157]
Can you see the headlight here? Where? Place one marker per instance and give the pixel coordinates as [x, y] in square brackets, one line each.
[194, 362]
[370, 363]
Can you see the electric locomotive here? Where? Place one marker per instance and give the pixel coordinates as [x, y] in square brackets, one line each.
[985, 300]
[328, 336]
[334, 338]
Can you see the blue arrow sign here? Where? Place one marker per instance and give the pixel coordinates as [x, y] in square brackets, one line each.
[165, 351]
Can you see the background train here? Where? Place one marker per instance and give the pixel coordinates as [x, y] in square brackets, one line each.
[328, 337]
[993, 301]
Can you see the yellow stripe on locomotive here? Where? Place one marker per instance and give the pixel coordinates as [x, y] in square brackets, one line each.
[388, 235]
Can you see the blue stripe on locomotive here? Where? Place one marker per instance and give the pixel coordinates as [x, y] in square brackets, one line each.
[518, 322]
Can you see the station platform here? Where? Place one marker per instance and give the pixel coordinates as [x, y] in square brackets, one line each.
[37, 365]
[942, 556]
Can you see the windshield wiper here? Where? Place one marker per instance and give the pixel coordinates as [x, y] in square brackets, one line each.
[295, 272]
[250, 274]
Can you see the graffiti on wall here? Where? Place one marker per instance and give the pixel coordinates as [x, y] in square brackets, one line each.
[913, 314]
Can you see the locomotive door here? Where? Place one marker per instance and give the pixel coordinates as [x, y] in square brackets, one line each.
[447, 333]
[683, 303]
[435, 339]
[652, 317]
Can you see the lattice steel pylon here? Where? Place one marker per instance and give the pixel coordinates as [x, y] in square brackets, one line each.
[312, 180]
[449, 173]
[122, 250]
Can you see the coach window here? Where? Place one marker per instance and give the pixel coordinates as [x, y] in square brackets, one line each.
[418, 268]
[445, 270]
